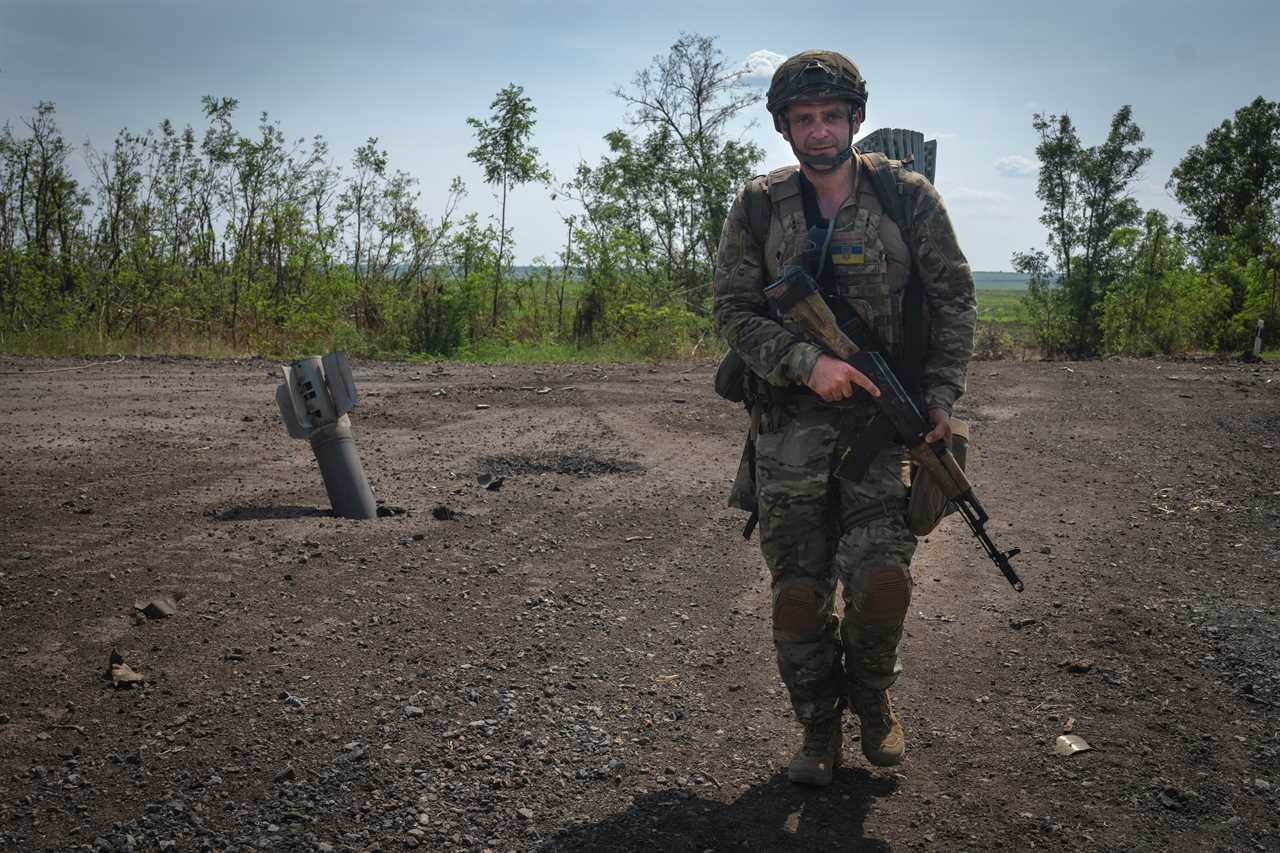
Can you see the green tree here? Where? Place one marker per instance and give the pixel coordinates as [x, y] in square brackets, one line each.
[1230, 188]
[683, 103]
[1046, 302]
[1157, 302]
[508, 160]
[43, 210]
[358, 209]
[1059, 154]
[1230, 184]
[1085, 192]
[117, 181]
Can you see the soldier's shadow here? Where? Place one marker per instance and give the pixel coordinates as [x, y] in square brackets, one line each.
[775, 816]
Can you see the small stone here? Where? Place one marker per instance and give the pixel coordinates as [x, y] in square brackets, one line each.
[413, 711]
[525, 812]
[1262, 784]
[288, 774]
[1173, 799]
[160, 607]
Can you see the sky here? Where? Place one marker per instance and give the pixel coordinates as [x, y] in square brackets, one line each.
[969, 75]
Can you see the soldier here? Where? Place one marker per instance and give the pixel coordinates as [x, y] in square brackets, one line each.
[816, 529]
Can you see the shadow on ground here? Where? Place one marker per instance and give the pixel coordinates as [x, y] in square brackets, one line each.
[775, 816]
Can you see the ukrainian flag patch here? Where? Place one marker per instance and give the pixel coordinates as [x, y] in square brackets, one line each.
[845, 255]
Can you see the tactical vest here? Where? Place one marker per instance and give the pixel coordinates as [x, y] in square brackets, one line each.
[870, 255]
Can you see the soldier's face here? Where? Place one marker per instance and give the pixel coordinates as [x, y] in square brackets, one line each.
[820, 127]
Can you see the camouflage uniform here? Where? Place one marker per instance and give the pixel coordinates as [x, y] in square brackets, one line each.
[807, 541]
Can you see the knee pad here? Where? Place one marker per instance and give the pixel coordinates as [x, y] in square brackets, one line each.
[798, 612]
[887, 597]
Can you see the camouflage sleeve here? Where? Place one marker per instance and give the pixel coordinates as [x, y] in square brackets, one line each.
[741, 310]
[948, 293]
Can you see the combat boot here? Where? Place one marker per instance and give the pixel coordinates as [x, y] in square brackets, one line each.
[883, 742]
[820, 754]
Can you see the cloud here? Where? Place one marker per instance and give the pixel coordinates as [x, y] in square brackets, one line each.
[761, 65]
[977, 198]
[1017, 166]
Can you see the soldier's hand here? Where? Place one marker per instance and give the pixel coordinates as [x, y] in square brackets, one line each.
[834, 379]
[941, 427]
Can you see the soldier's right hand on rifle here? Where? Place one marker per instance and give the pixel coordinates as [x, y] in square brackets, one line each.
[833, 379]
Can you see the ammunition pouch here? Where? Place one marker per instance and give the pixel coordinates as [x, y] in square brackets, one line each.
[731, 377]
[742, 494]
[928, 504]
[738, 383]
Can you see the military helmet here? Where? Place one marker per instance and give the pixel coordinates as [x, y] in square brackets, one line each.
[813, 75]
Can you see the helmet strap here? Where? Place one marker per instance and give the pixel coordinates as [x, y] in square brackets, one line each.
[822, 162]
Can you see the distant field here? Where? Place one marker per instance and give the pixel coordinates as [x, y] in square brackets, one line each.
[989, 280]
[1001, 305]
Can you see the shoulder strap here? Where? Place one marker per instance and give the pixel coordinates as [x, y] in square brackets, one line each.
[901, 209]
[777, 186]
[884, 177]
[759, 207]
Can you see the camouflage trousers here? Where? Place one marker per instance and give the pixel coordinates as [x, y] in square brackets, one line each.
[809, 547]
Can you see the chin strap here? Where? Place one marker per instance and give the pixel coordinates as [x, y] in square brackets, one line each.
[822, 162]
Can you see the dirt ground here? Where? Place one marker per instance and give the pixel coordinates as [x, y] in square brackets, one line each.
[580, 660]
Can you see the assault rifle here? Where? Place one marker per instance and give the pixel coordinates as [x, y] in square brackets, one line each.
[796, 295]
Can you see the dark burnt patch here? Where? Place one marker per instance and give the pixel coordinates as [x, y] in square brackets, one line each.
[575, 464]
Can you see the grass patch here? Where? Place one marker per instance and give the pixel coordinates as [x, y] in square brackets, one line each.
[1001, 306]
[75, 344]
[544, 352]
[51, 344]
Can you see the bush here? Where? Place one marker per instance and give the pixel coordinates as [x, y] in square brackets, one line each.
[667, 332]
[992, 342]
